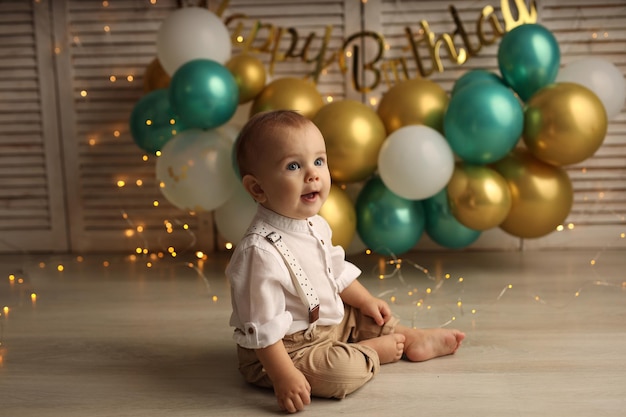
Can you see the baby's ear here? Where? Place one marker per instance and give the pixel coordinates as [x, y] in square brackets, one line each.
[253, 188]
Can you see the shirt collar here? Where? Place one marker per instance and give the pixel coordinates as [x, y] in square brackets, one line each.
[281, 222]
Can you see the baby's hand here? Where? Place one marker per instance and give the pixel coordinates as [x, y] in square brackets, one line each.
[292, 390]
[377, 309]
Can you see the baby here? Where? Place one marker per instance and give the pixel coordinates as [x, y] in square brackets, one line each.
[304, 325]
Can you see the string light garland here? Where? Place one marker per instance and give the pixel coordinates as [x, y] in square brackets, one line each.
[433, 294]
[169, 247]
[150, 257]
[420, 296]
[421, 299]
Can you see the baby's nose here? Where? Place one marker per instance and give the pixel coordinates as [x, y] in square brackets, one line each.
[312, 176]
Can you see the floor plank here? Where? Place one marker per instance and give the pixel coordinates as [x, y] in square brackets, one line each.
[546, 336]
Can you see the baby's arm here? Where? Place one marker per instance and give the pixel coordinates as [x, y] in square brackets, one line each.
[291, 387]
[359, 297]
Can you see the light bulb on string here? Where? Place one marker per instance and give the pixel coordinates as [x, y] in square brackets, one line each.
[132, 226]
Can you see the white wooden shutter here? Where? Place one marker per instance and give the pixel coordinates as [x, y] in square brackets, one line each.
[32, 213]
[101, 40]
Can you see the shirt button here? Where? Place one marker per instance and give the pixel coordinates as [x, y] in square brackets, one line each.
[310, 223]
[329, 270]
[322, 240]
[250, 330]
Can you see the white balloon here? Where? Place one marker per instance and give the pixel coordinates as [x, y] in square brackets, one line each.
[601, 77]
[191, 33]
[196, 171]
[233, 217]
[415, 162]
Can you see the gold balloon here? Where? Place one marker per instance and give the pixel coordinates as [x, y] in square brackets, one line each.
[339, 212]
[479, 197]
[155, 77]
[354, 135]
[289, 94]
[249, 73]
[542, 194]
[417, 101]
[564, 124]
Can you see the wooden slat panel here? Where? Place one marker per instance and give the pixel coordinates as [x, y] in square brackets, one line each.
[100, 148]
[32, 216]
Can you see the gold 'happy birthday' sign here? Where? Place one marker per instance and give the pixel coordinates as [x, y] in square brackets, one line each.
[489, 28]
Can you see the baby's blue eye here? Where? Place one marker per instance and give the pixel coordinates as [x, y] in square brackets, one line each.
[319, 162]
[292, 166]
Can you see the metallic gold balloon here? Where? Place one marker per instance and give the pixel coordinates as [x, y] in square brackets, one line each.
[249, 73]
[289, 94]
[155, 77]
[479, 197]
[542, 194]
[339, 212]
[564, 124]
[417, 101]
[354, 135]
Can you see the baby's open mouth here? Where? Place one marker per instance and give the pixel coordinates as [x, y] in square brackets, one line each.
[310, 196]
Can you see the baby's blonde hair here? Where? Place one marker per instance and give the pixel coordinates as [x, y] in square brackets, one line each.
[259, 128]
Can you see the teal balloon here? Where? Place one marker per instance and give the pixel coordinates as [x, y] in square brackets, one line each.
[204, 93]
[529, 59]
[153, 121]
[387, 223]
[441, 225]
[473, 76]
[483, 122]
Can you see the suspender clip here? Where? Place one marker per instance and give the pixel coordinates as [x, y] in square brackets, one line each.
[314, 314]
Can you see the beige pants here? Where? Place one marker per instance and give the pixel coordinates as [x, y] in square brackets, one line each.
[330, 359]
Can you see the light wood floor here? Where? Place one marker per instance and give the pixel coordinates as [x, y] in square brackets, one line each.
[128, 340]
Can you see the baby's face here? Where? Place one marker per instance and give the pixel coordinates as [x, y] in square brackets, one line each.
[293, 172]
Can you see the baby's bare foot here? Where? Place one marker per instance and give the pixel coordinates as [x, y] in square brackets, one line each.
[389, 347]
[424, 344]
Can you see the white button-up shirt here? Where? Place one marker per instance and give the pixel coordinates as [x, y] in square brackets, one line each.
[265, 301]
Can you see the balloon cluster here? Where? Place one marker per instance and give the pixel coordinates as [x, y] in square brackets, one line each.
[489, 154]
[493, 153]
